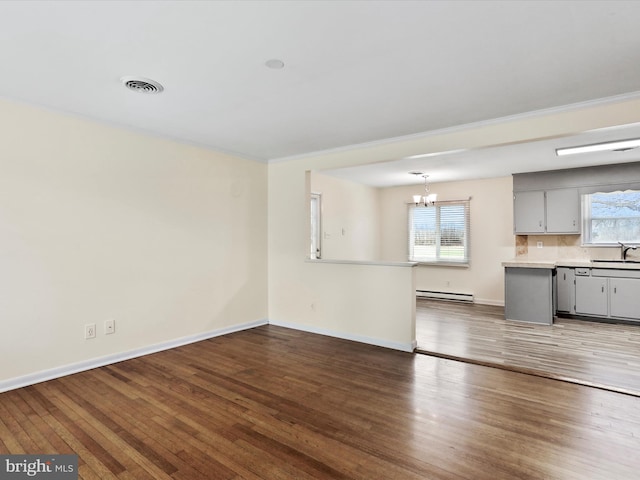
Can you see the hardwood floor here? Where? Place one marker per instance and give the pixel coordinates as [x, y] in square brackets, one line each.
[274, 403]
[590, 353]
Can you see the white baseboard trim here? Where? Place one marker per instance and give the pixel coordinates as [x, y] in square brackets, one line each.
[486, 301]
[57, 372]
[44, 375]
[404, 347]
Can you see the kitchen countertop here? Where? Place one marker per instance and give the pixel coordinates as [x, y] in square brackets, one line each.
[580, 263]
[524, 263]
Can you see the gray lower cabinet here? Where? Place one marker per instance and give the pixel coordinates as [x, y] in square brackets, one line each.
[592, 296]
[529, 294]
[624, 297]
[599, 292]
[566, 290]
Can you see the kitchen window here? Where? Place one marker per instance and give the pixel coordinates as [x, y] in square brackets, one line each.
[612, 217]
[439, 233]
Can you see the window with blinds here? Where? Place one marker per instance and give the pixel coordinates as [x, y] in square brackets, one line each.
[439, 233]
[611, 217]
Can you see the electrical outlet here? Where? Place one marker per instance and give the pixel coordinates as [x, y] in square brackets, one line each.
[89, 331]
[109, 327]
[539, 244]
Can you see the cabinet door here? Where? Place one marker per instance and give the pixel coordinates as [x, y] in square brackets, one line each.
[566, 289]
[625, 297]
[591, 296]
[563, 211]
[528, 212]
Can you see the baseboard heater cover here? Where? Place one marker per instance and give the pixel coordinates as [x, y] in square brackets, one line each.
[460, 297]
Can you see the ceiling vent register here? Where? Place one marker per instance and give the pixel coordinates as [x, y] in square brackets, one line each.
[142, 85]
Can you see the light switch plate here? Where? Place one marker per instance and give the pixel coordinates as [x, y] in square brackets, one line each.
[109, 326]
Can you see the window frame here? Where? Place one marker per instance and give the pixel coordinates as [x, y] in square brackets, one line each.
[587, 220]
[439, 259]
[315, 211]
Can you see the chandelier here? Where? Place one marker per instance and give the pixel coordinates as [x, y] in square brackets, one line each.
[426, 199]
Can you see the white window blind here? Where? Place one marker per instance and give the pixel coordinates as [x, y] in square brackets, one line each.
[439, 233]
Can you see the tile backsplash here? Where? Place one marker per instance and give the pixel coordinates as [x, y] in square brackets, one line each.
[563, 247]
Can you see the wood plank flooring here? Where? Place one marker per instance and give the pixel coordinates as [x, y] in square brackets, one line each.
[590, 353]
[274, 403]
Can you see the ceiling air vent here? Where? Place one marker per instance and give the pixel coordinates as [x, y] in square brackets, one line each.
[142, 85]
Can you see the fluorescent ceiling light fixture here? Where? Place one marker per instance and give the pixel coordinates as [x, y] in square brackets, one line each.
[620, 145]
[434, 154]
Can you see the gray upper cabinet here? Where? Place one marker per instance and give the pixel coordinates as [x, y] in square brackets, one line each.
[547, 212]
[563, 211]
[528, 212]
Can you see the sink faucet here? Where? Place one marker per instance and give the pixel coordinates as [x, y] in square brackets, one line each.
[624, 249]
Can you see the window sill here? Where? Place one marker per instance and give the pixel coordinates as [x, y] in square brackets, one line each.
[361, 262]
[443, 264]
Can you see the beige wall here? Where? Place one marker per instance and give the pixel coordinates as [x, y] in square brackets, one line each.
[350, 218]
[372, 303]
[367, 303]
[492, 239]
[99, 223]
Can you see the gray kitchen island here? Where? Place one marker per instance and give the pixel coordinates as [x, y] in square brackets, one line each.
[529, 291]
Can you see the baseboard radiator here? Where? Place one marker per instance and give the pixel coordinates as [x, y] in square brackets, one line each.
[459, 297]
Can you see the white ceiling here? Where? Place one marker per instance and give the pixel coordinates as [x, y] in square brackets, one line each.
[355, 71]
[493, 162]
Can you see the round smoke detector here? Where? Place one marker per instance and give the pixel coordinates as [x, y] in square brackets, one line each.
[142, 85]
